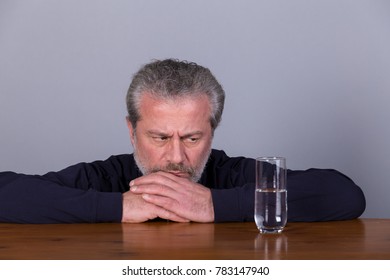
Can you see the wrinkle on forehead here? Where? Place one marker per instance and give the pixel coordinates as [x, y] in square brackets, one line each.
[195, 107]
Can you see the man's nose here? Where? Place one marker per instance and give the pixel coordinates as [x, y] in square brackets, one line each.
[176, 153]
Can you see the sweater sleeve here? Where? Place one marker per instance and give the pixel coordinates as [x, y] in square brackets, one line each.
[316, 195]
[234, 204]
[312, 195]
[80, 193]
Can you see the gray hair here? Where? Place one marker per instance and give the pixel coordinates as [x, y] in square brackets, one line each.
[169, 79]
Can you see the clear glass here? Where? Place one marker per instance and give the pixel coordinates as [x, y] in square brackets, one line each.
[271, 194]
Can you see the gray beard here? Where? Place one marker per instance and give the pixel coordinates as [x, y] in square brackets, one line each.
[195, 173]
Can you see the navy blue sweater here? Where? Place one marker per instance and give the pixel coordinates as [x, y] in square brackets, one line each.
[92, 192]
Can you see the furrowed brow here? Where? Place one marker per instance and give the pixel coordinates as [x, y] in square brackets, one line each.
[157, 133]
[192, 134]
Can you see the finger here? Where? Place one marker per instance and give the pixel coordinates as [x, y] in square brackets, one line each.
[172, 191]
[168, 215]
[161, 201]
[162, 178]
[153, 189]
[170, 206]
[173, 217]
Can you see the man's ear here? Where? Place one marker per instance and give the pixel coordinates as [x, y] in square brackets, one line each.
[131, 130]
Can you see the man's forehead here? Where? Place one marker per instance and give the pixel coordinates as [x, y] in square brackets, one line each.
[188, 114]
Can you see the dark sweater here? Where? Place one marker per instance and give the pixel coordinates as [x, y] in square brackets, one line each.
[92, 192]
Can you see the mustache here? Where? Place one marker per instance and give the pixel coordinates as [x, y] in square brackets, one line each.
[176, 167]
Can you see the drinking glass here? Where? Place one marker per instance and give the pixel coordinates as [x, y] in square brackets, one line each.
[271, 194]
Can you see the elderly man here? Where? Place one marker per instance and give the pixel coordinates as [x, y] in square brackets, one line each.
[174, 108]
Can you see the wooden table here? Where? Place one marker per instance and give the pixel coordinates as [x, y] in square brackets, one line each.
[355, 239]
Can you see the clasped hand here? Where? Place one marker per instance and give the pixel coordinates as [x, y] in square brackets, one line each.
[167, 196]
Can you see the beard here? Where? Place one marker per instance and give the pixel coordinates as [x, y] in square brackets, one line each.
[194, 172]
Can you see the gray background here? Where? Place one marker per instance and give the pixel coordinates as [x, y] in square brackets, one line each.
[308, 80]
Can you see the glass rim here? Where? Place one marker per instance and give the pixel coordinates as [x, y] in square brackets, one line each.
[271, 158]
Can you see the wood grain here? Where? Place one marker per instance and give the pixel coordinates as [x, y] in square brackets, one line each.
[355, 239]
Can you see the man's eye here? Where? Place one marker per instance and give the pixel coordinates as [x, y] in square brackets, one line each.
[192, 140]
[160, 139]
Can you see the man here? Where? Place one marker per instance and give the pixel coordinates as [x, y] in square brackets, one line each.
[174, 108]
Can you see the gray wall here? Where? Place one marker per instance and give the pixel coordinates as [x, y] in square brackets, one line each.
[308, 80]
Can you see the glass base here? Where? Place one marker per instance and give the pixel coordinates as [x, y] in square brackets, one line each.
[270, 230]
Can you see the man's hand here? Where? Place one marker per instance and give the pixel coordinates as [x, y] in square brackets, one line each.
[137, 210]
[178, 196]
